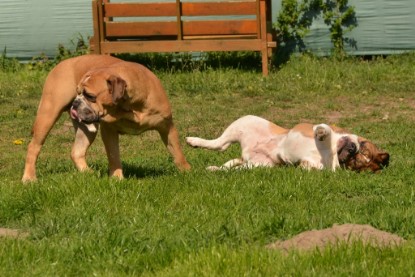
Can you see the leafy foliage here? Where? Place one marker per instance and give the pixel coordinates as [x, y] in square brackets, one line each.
[296, 16]
[342, 19]
[43, 62]
[8, 64]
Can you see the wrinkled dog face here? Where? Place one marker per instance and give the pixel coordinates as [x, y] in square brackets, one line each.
[97, 93]
[346, 148]
[368, 158]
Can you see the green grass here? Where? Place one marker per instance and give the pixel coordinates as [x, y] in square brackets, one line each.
[159, 222]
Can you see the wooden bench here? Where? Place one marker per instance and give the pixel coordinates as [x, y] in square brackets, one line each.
[183, 26]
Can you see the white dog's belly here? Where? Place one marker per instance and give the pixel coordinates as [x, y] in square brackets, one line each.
[297, 147]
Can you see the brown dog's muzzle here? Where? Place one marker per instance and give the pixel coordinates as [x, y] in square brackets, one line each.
[82, 112]
[346, 149]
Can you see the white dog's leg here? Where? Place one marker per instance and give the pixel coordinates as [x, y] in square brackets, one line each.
[235, 132]
[228, 165]
[219, 144]
[326, 146]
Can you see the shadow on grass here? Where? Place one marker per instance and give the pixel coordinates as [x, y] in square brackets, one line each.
[130, 170]
[184, 62]
[140, 172]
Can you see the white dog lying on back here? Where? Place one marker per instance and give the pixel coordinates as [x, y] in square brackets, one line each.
[264, 143]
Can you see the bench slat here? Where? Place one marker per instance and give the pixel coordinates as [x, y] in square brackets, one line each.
[139, 9]
[190, 28]
[180, 46]
[129, 29]
[219, 8]
[219, 27]
[188, 9]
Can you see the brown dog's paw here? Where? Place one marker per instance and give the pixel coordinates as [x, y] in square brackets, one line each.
[28, 180]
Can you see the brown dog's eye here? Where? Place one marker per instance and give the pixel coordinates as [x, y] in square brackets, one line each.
[89, 97]
[365, 153]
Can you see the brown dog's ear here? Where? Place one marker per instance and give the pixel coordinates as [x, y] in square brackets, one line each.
[117, 87]
[81, 83]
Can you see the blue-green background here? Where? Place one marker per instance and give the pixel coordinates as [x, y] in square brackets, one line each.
[31, 27]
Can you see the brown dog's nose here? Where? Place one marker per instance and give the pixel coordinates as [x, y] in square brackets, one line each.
[75, 104]
[353, 149]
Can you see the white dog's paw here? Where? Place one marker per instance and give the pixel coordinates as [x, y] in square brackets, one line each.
[309, 165]
[213, 168]
[321, 132]
[193, 141]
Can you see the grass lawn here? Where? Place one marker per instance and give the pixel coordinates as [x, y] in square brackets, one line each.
[159, 222]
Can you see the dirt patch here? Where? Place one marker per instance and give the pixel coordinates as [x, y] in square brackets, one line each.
[12, 233]
[65, 128]
[334, 117]
[338, 234]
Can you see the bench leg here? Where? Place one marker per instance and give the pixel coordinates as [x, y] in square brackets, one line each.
[265, 61]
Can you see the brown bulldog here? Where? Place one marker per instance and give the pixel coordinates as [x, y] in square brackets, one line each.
[122, 97]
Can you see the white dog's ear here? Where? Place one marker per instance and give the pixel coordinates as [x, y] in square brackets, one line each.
[117, 87]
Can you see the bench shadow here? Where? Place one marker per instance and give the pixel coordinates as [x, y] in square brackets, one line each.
[184, 62]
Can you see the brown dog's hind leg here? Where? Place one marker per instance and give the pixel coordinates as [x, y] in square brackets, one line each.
[110, 137]
[83, 139]
[170, 137]
[45, 119]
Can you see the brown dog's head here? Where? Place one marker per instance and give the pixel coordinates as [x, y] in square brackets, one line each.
[98, 92]
[368, 158]
[346, 148]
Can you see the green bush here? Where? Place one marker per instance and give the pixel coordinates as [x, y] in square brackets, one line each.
[296, 16]
[8, 64]
[43, 62]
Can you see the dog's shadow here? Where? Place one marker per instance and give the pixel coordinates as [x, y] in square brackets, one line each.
[130, 170]
[133, 171]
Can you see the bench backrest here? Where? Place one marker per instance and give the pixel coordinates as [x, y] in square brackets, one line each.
[181, 20]
[183, 26]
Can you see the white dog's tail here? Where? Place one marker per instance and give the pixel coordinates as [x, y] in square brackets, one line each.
[219, 144]
[239, 129]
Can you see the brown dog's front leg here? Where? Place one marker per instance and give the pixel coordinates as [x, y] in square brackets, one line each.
[83, 139]
[170, 137]
[110, 137]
